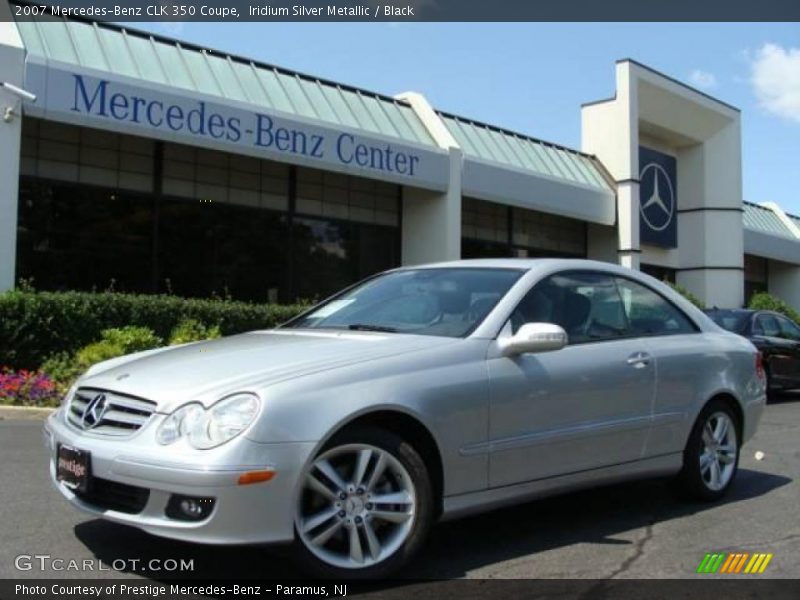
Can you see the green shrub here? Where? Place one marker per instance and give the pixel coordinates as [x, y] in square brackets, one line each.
[687, 294]
[765, 301]
[64, 368]
[37, 325]
[116, 342]
[192, 330]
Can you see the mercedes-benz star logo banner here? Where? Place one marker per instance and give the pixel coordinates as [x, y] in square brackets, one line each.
[658, 200]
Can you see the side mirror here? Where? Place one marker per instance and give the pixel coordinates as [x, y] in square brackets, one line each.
[535, 337]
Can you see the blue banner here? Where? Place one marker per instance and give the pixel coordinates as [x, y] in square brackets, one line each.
[658, 198]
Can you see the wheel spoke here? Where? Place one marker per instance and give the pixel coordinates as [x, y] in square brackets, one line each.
[361, 466]
[705, 461]
[327, 469]
[392, 516]
[318, 519]
[721, 430]
[327, 534]
[356, 553]
[708, 435]
[727, 454]
[401, 497]
[373, 544]
[715, 474]
[377, 471]
[319, 487]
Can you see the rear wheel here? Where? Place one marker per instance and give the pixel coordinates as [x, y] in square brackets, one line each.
[366, 506]
[711, 456]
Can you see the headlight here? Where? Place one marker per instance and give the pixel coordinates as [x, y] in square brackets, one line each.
[212, 427]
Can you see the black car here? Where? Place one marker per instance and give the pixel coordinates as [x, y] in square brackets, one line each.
[776, 336]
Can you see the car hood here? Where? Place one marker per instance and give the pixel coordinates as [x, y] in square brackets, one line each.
[206, 371]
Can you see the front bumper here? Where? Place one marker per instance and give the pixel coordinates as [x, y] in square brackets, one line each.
[255, 513]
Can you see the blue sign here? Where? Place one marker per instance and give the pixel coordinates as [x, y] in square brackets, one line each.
[146, 109]
[658, 198]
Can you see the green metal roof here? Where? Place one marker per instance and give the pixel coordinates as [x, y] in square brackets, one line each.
[157, 59]
[762, 219]
[519, 151]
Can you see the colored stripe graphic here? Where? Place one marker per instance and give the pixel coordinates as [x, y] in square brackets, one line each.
[765, 563]
[703, 563]
[741, 562]
[720, 562]
[727, 565]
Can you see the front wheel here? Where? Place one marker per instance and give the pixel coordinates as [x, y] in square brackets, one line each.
[711, 457]
[365, 507]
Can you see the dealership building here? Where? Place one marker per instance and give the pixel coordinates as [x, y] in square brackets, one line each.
[147, 164]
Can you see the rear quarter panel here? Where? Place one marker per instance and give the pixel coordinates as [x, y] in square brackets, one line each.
[691, 370]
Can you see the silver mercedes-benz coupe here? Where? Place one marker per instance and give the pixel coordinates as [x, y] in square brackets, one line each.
[420, 394]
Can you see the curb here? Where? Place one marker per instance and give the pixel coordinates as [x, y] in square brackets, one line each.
[24, 413]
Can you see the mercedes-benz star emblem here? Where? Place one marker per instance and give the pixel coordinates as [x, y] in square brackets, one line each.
[94, 411]
[659, 209]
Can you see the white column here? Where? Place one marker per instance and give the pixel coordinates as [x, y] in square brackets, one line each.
[432, 220]
[12, 64]
[710, 228]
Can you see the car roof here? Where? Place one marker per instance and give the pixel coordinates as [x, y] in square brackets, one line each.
[525, 264]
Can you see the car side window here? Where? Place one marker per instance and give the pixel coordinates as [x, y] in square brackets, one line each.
[789, 329]
[649, 313]
[586, 304]
[769, 325]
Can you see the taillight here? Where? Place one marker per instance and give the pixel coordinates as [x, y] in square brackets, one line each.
[760, 366]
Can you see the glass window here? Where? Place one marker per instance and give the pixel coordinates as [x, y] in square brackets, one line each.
[650, 313]
[789, 329]
[586, 304]
[83, 238]
[441, 302]
[221, 249]
[732, 320]
[769, 325]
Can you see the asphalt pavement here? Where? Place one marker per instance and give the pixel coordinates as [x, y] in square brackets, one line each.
[636, 530]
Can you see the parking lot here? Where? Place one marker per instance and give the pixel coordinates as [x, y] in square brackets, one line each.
[638, 530]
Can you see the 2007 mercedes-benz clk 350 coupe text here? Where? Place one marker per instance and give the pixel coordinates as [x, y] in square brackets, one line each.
[422, 393]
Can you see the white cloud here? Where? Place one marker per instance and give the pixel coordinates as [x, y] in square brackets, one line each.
[775, 77]
[703, 79]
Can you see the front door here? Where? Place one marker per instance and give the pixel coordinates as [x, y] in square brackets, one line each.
[582, 407]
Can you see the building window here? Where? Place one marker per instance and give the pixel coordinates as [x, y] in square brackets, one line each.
[660, 273]
[491, 230]
[213, 223]
[756, 276]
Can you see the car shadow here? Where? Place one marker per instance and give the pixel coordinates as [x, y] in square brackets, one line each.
[593, 516]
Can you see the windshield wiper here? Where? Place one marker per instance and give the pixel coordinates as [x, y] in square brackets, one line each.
[366, 327]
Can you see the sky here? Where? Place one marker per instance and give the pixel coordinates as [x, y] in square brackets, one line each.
[533, 77]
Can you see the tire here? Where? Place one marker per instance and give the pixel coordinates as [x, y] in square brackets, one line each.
[355, 519]
[704, 456]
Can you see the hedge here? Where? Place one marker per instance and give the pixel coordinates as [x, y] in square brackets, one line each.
[765, 301]
[35, 325]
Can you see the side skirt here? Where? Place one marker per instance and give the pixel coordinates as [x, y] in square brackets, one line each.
[486, 500]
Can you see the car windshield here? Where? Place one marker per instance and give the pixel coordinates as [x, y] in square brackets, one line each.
[734, 321]
[447, 302]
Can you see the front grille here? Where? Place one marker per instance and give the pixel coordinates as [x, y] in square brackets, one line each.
[111, 495]
[108, 413]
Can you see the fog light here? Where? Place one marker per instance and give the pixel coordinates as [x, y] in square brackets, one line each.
[189, 508]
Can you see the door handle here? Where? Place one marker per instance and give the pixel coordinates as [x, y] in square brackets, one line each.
[639, 360]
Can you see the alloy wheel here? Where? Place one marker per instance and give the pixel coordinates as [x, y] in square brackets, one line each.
[718, 451]
[357, 506]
